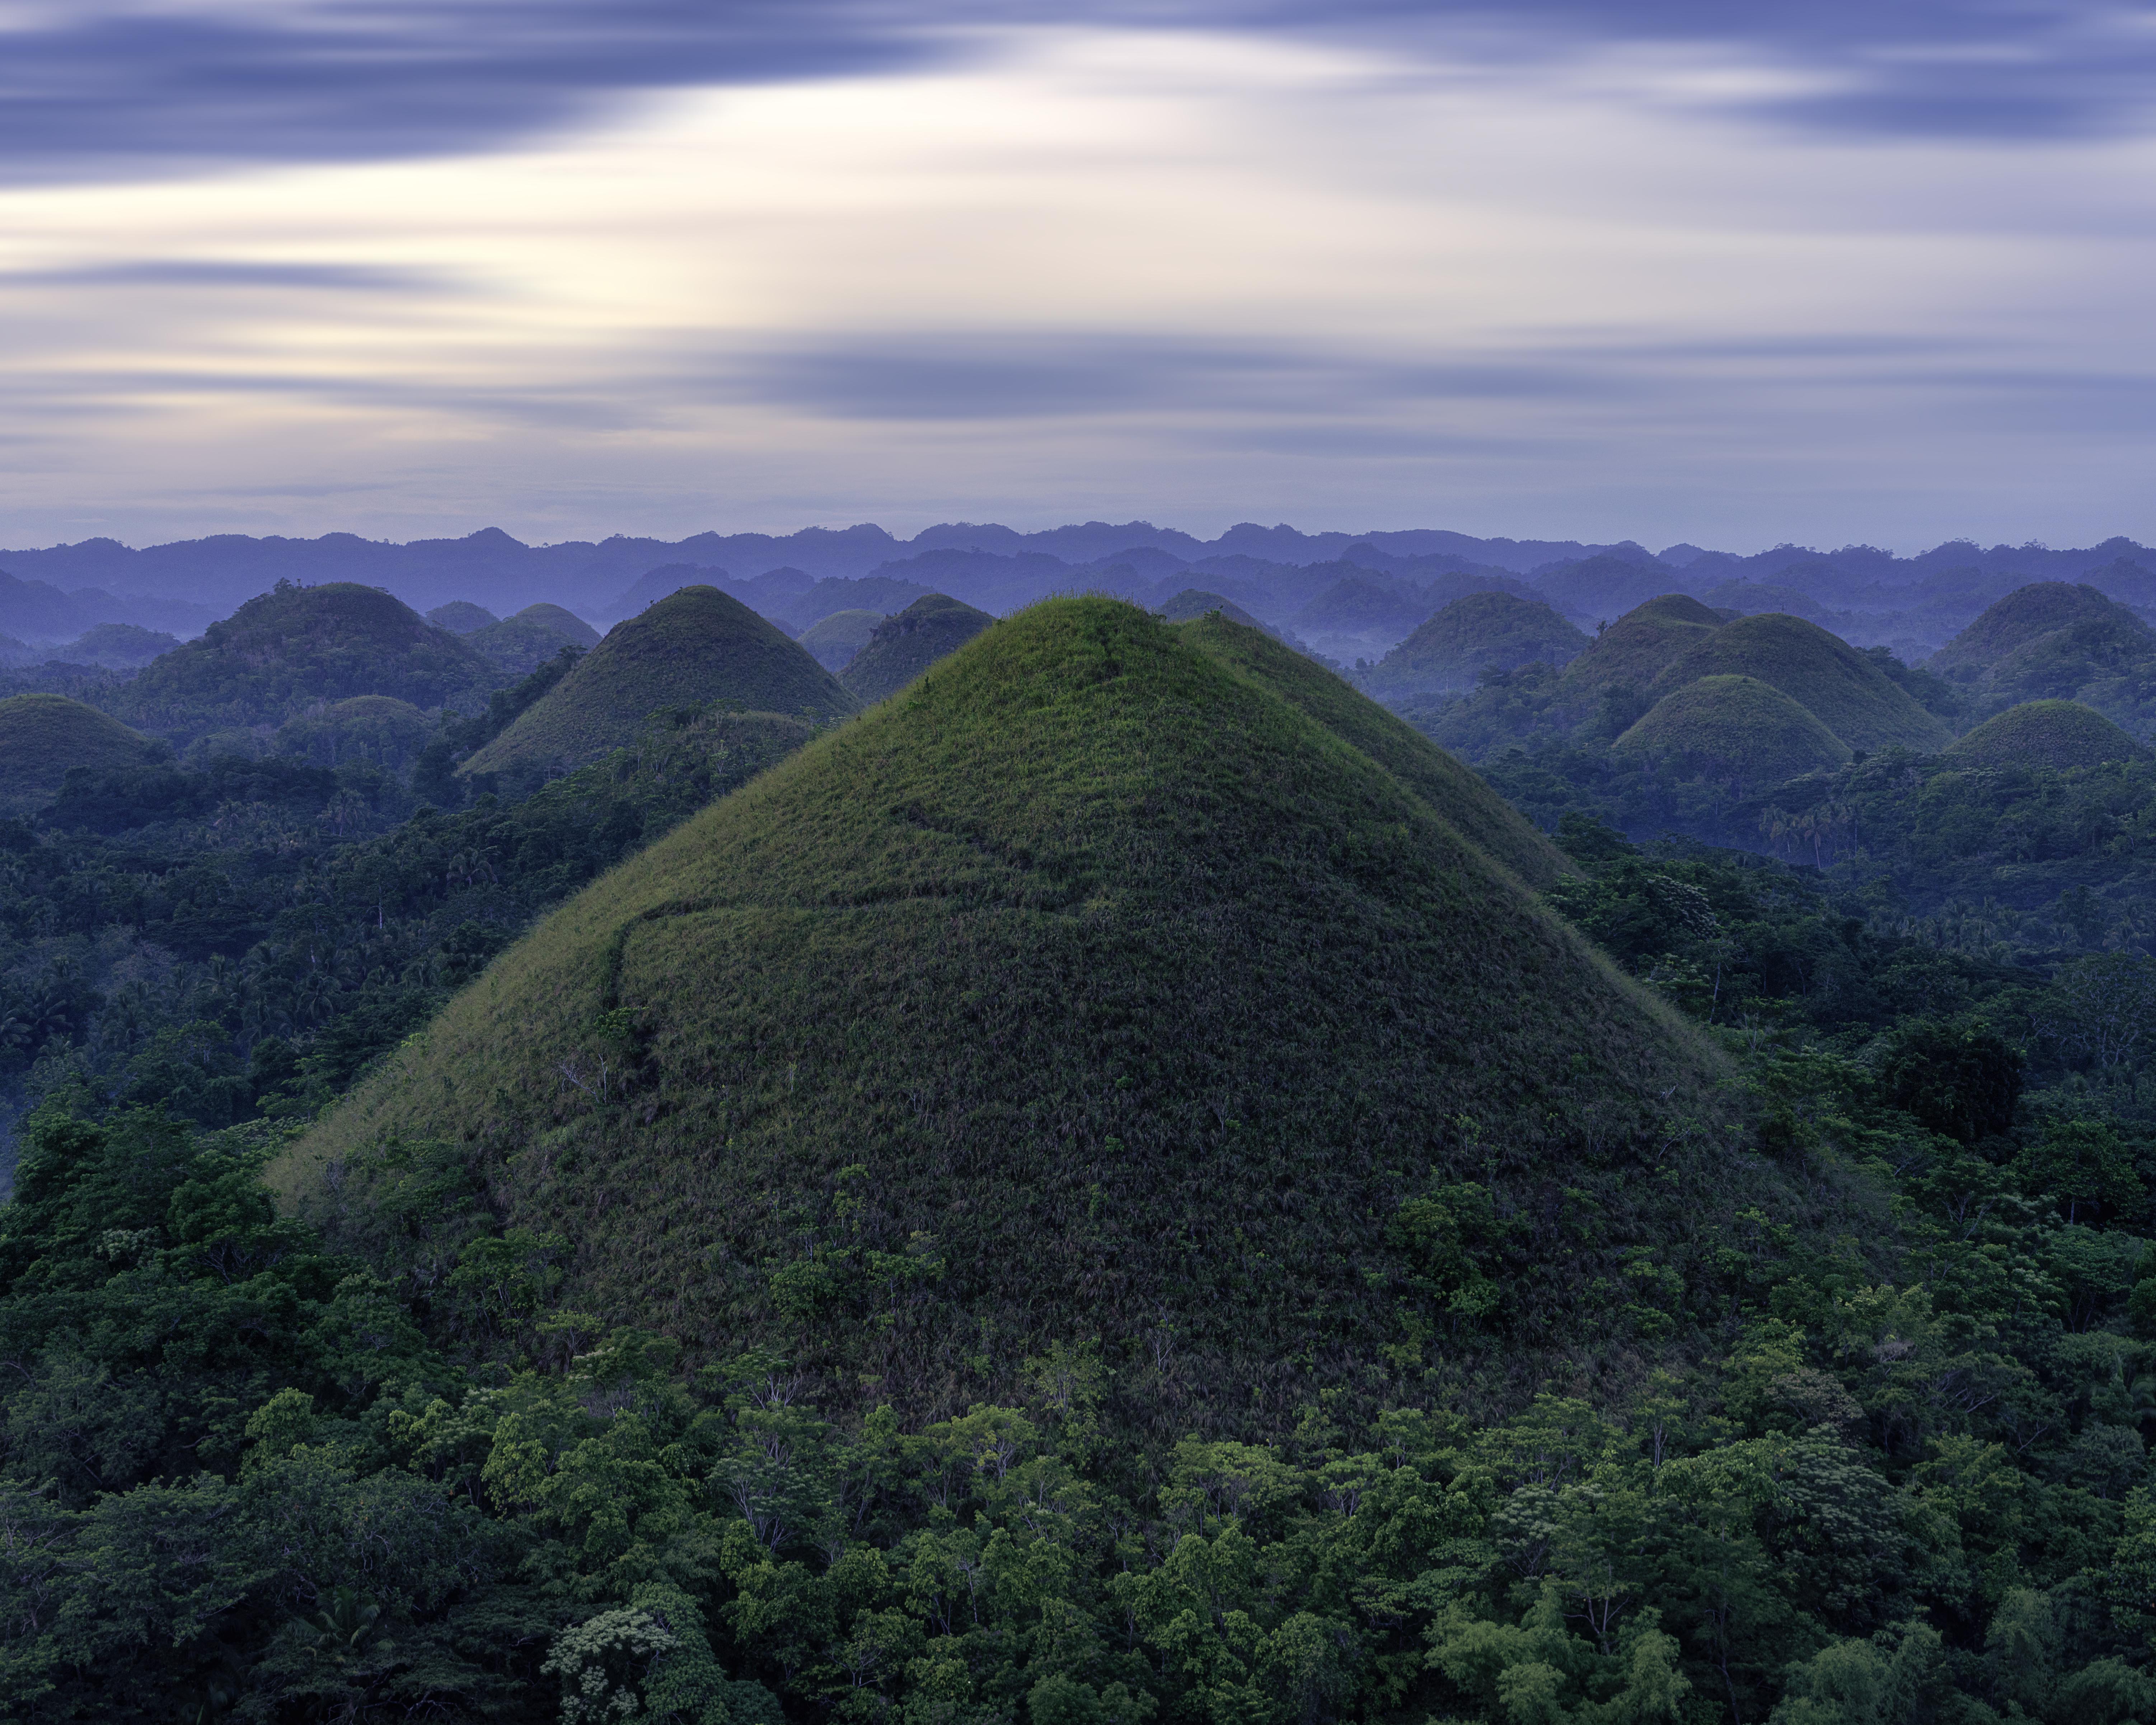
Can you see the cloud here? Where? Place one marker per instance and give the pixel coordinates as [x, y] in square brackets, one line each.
[103, 89]
[235, 273]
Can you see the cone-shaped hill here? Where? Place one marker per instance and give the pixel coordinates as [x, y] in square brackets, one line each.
[834, 642]
[1841, 688]
[2022, 617]
[1736, 728]
[696, 645]
[461, 617]
[43, 736]
[2044, 733]
[1477, 630]
[518, 645]
[1093, 989]
[285, 652]
[904, 646]
[1641, 645]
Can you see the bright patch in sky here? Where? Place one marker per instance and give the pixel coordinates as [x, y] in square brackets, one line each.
[1198, 276]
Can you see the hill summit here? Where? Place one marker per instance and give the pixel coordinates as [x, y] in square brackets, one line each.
[1476, 631]
[43, 736]
[2045, 733]
[1097, 988]
[695, 646]
[1736, 728]
[1847, 691]
[902, 647]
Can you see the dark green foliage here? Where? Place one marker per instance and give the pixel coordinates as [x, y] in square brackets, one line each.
[691, 648]
[374, 730]
[116, 646]
[293, 649]
[1957, 1078]
[1475, 632]
[44, 737]
[900, 648]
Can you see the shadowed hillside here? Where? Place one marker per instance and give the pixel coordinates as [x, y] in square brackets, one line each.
[43, 736]
[1735, 729]
[289, 650]
[2022, 617]
[1841, 687]
[519, 645]
[1473, 633]
[372, 729]
[1641, 645]
[2057, 734]
[461, 617]
[1088, 988]
[695, 646]
[833, 642]
[902, 647]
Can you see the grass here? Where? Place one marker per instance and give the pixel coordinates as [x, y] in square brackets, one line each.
[1093, 988]
[833, 642]
[695, 646]
[43, 736]
[902, 647]
[1641, 645]
[2045, 733]
[1476, 630]
[1736, 728]
[1841, 688]
[518, 645]
[2022, 617]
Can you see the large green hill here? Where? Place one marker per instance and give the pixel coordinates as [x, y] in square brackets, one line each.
[286, 652]
[43, 736]
[518, 645]
[834, 642]
[1641, 645]
[2021, 618]
[902, 647]
[1847, 691]
[2045, 733]
[695, 646]
[1090, 988]
[1476, 631]
[1735, 728]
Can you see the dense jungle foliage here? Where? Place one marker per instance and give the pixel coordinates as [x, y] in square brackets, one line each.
[1884, 1460]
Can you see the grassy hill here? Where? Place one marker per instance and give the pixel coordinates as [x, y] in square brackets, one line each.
[2056, 734]
[695, 646]
[833, 642]
[286, 652]
[1843, 688]
[1090, 990]
[902, 647]
[518, 645]
[43, 736]
[1736, 728]
[1641, 645]
[1478, 630]
[461, 617]
[377, 730]
[2020, 618]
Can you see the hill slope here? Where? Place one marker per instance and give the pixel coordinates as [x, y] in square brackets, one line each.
[282, 653]
[904, 646]
[1844, 690]
[1641, 645]
[1478, 630]
[2020, 618]
[1090, 990]
[834, 642]
[696, 645]
[43, 736]
[518, 645]
[2045, 733]
[1737, 728]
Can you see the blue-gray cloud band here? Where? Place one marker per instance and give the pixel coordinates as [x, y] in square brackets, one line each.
[93, 92]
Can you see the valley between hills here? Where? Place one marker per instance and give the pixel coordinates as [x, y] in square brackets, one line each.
[1077, 1129]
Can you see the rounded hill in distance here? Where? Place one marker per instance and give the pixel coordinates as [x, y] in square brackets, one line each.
[286, 652]
[461, 617]
[1196, 601]
[834, 642]
[2056, 734]
[1095, 989]
[1736, 728]
[2022, 617]
[43, 736]
[1475, 632]
[518, 645]
[902, 647]
[377, 729]
[1641, 645]
[1844, 690]
[695, 646]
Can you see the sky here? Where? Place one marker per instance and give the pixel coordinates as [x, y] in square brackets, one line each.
[1822, 273]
